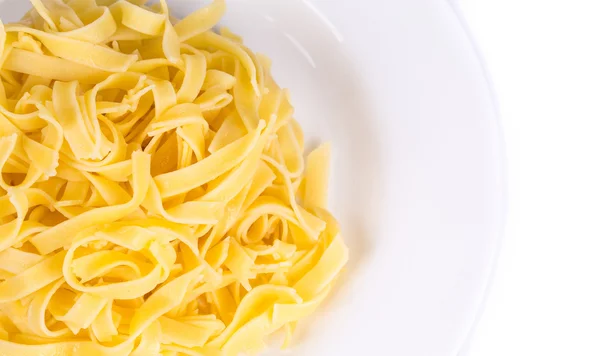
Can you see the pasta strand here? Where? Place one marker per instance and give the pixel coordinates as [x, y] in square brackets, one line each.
[154, 196]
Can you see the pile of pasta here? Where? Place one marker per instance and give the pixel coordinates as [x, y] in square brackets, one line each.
[154, 195]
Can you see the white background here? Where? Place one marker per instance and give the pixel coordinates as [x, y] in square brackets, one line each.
[544, 59]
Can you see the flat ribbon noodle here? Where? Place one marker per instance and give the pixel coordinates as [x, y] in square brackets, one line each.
[154, 196]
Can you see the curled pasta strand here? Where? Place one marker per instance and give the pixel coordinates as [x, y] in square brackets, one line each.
[154, 196]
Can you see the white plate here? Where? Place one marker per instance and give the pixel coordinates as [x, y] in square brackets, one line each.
[399, 90]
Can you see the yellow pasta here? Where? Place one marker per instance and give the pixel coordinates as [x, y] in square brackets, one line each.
[154, 197]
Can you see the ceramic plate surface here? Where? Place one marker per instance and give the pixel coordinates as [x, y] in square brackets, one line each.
[417, 184]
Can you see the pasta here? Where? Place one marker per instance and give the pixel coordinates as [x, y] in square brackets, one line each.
[154, 198]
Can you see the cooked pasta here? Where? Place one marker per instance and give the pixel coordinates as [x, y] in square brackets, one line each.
[154, 198]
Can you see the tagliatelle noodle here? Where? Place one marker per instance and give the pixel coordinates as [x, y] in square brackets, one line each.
[154, 197]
